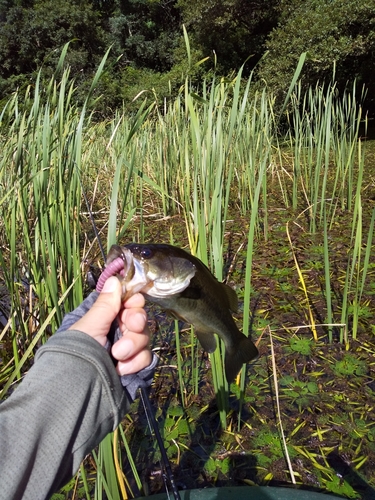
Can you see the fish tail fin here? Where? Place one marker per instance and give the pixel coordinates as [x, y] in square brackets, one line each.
[242, 353]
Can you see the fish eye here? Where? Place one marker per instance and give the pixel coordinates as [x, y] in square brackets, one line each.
[146, 253]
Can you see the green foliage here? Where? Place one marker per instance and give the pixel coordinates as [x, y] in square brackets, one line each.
[214, 466]
[340, 487]
[143, 36]
[175, 426]
[148, 50]
[119, 86]
[299, 392]
[268, 441]
[235, 29]
[339, 32]
[350, 365]
[146, 32]
[302, 345]
[29, 36]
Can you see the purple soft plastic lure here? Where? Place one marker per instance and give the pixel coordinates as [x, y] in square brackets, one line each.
[114, 267]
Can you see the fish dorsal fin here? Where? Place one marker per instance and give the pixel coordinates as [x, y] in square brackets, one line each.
[232, 297]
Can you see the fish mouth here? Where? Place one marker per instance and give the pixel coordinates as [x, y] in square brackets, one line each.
[116, 253]
[169, 276]
[121, 263]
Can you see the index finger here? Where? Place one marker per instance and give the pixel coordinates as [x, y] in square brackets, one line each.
[136, 300]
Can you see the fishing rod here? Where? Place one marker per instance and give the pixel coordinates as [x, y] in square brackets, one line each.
[144, 393]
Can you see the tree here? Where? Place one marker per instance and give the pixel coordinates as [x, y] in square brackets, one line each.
[233, 29]
[146, 32]
[30, 35]
[331, 31]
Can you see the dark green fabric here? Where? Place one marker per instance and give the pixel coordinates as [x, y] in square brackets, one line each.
[69, 400]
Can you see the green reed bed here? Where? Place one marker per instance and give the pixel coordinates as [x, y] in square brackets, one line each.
[208, 156]
[207, 164]
[328, 162]
[41, 248]
[40, 210]
[323, 135]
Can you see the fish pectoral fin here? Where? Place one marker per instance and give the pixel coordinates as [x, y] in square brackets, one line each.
[192, 292]
[207, 341]
[244, 352]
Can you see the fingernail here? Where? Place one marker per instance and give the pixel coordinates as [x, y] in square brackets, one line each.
[109, 285]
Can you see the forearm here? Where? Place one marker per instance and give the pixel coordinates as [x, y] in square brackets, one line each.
[67, 403]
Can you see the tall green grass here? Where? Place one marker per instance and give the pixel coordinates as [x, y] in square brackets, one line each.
[323, 139]
[207, 155]
[40, 208]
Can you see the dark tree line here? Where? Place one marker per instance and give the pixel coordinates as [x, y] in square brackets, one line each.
[269, 34]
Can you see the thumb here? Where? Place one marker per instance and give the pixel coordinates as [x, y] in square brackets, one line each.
[97, 321]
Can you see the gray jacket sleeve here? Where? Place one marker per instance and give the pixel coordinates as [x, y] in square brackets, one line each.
[68, 402]
[70, 399]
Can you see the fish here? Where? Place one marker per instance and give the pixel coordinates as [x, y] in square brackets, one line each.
[183, 286]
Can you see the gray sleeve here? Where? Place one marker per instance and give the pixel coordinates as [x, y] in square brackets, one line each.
[68, 402]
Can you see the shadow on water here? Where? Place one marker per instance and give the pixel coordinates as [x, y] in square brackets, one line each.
[351, 476]
[201, 461]
[202, 464]
[197, 455]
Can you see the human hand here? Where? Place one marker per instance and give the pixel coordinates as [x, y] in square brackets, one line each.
[131, 350]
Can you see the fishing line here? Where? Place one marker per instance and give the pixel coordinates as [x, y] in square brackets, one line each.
[143, 391]
[167, 465]
[92, 220]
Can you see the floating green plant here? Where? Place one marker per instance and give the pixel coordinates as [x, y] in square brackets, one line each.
[301, 345]
[350, 365]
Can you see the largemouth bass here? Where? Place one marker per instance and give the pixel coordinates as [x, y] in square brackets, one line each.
[183, 286]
